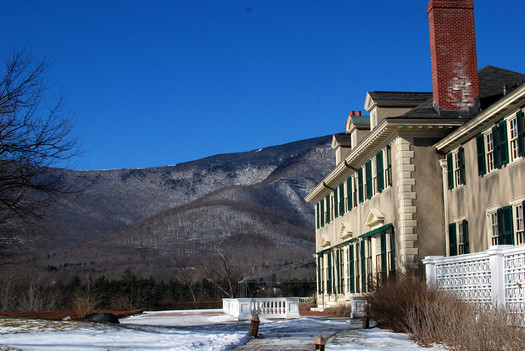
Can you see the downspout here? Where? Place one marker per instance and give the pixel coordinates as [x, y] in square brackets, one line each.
[443, 164]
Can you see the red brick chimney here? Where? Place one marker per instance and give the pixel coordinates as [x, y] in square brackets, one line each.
[453, 57]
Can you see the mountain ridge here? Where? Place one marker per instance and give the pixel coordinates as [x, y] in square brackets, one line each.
[230, 202]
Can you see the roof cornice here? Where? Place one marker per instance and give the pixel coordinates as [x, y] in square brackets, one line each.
[513, 101]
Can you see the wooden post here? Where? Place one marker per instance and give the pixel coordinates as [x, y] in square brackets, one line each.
[254, 326]
[319, 343]
[366, 321]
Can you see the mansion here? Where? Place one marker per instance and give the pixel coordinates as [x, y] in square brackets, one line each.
[424, 174]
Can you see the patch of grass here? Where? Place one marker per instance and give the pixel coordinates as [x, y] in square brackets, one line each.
[343, 310]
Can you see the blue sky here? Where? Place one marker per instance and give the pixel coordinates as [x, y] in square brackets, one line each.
[153, 83]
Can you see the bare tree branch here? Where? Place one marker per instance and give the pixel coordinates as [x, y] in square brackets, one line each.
[35, 135]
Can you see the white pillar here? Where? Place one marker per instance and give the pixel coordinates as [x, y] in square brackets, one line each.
[292, 307]
[497, 274]
[430, 269]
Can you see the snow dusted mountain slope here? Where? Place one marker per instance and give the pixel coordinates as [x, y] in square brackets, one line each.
[249, 204]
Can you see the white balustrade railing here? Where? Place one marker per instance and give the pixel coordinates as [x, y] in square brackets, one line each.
[494, 276]
[280, 307]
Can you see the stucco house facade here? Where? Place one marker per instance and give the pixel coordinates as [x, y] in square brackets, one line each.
[424, 174]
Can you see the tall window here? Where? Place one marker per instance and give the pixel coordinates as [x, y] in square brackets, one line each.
[351, 269]
[492, 226]
[501, 226]
[328, 208]
[341, 199]
[336, 202]
[368, 179]
[457, 173]
[341, 271]
[374, 176]
[518, 224]
[321, 213]
[456, 168]
[320, 273]
[501, 144]
[515, 131]
[489, 147]
[349, 193]
[513, 138]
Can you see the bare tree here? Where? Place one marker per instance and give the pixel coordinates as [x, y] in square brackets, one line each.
[222, 274]
[186, 274]
[35, 135]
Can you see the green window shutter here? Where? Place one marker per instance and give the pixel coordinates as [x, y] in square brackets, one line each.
[349, 193]
[384, 260]
[336, 202]
[480, 141]
[360, 182]
[341, 199]
[521, 142]
[389, 165]
[338, 269]
[501, 237]
[317, 215]
[452, 239]
[450, 171]
[503, 143]
[354, 188]
[466, 245]
[392, 251]
[319, 274]
[328, 212]
[352, 269]
[368, 173]
[329, 282]
[380, 173]
[495, 138]
[461, 159]
[363, 266]
[508, 227]
[321, 214]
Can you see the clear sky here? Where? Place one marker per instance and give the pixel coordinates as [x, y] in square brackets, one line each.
[153, 83]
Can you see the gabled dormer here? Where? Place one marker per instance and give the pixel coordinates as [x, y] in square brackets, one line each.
[382, 104]
[342, 144]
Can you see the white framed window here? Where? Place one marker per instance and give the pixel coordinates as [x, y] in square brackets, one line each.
[458, 237]
[457, 173]
[456, 167]
[518, 224]
[512, 124]
[492, 226]
[374, 176]
[489, 147]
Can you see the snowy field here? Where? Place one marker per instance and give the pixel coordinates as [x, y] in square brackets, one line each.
[190, 330]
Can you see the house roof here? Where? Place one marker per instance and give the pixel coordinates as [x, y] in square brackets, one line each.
[394, 99]
[491, 82]
[341, 140]
[492, 79]
[399, 95]
[361, 122]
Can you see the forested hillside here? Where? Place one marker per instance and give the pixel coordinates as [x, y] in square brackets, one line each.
[249, 206]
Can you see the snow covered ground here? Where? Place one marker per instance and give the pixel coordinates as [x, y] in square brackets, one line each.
[189, 330]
